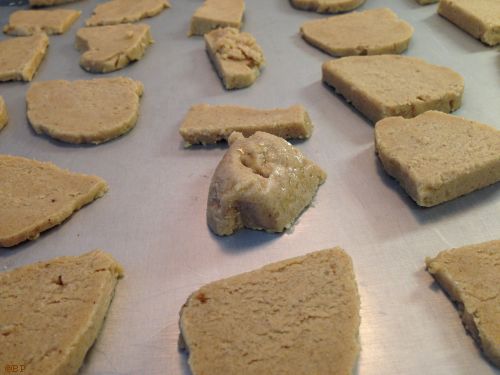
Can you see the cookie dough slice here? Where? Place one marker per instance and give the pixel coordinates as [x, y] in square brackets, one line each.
[437, 157]
[217, 13]
[389, 85]
[123, 11]
[21, 57]
[4, 116]
[46, 3]
[53, 311]
[109, 48]
[470, 275]
[87, 111]
[29, 22]
[372, 32]
[37, 196]
[299, 316]
[236, 56]
[327, 6]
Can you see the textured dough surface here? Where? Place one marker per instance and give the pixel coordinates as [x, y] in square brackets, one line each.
[122, 11]
[262, 182]
[390, 85]
[217, 13]
[37, 196]
[299, 316]
[52, 311]
[4, 116]
[437, 157]
[46, 3]
[29, 22]
[327, 6]
[86, 111]
[470, 275]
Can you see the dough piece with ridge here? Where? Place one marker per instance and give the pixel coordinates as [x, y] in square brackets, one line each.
[29, 22]
[123, 11]
[4, 116]
[217, 13]
[327, 6]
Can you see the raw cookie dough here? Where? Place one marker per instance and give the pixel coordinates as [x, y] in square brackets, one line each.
[21, 57]
[87, 111]
[37, 196]
[211, 123]
[52, 312]
[327, 6]
[123, 11]
[371, 32]
[437, 157]
[262, 182]
[389, 85]
[299, 316]
[109, 48]
[4, 116]
[236, 56]
[46, 3]
[470, 275]
[29, 22]
[217, 13]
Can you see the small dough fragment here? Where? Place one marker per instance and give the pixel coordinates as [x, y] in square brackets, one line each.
[299, 316]
[327, 6]
[86, 111]
[53, 311]
[371, 32]
[211, 123]
[47, 3]
[4, 116]
[437, 157]
[21, 57]
[236, 56]
[217, 13]
[29, 22]
[470, 275]
[37, 196]
[262, 182]
[109, 48]
[390, 85]
[123, 11]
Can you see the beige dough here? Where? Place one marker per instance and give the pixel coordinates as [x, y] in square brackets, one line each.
[53, 311]
[371, 32]
[37, 196]
[46, 3]
[437, 157]
[90, 111]
[327, 6]
[123, 11]
[262, 182]
[217, 13]
[21, 57]
[236, 56]
[29, 22]
[211, 123]
[109, 48]
[389, 85]
[470, 275]
[4, 116]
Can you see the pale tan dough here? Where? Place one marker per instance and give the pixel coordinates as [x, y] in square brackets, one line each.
[217, 13]
[236, 56]
[371, 32]
[87, 111]
[123, 11]
[53, 311]
[390, 85]
[262, 182]
[37, 196]
[425, 2]
[327, 6]
[46, 3]
[470, 275]
[299, 316]
[29, 22]
[480, 18]
[437, 157]
[109, 48]
[4, 116]
[21, 57]
[211, 123]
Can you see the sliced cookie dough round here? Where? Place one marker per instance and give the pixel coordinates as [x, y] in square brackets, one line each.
[51, 22]
[124, 11]
[4, 116]
[327, 6]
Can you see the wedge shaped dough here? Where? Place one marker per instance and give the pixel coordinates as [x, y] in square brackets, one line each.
[217, 13]
[299, 316]
[87, 111]
[37, 196]
[389, 85]
[21, 57]
[109, 48]
[371, 32]
[438, 157]
[262, 182]
[470, 275]
[122, 11]
[46, 3]
[327, 6]
[52, 311]
[29, 22]
[4, 116]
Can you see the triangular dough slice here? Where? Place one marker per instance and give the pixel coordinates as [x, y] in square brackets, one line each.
[87, 111]
[52, 312]
[46, 3]
[438, 157]
[327, 6]
[217, 13]
[299, 316]
[262, 182]
[123, 11]
[372, 32]
[109, 48]
[390, 85]
[4, 116]
[29, 22]
[37, 196]
[470, 275]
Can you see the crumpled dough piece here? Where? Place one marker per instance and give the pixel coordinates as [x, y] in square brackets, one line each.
[4, 116]
[123, 11]
[29, 22]
[327, 6]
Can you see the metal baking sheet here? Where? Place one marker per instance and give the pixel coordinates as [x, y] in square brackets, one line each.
[153, 218]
